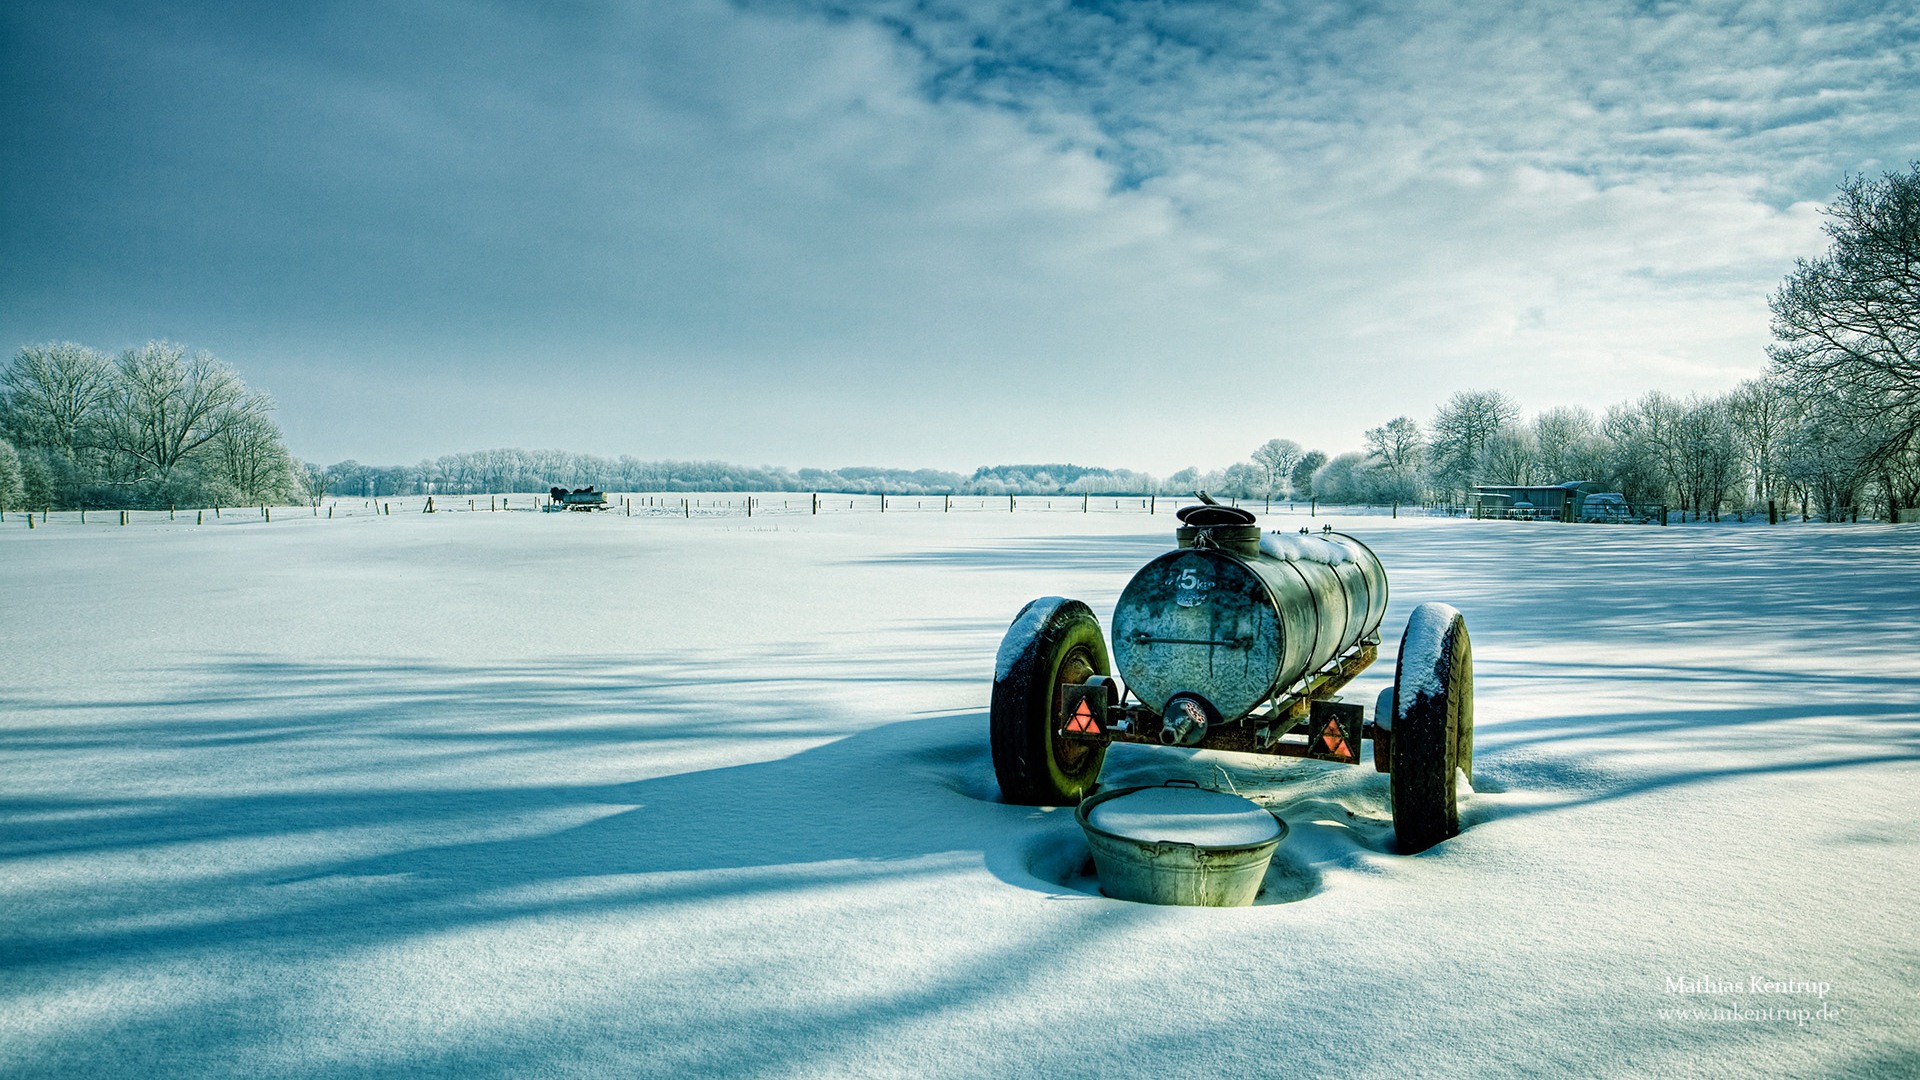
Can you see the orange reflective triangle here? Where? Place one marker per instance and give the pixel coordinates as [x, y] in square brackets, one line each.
[1082, 719]
[1335, 739]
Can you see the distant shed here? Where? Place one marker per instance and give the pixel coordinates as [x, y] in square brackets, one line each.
[1548, 502]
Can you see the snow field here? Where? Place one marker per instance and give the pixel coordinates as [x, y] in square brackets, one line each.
[570, 795]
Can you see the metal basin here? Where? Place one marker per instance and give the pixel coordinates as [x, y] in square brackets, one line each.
[1179, 844]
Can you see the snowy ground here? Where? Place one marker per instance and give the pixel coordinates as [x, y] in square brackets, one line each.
[552, 795]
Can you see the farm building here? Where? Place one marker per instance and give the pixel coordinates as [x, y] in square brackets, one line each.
[1547, 502]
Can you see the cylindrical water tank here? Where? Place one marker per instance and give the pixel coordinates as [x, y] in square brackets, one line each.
[1237, 623]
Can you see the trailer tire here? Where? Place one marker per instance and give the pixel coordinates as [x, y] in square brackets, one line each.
[1052, 641]
[1432, 726]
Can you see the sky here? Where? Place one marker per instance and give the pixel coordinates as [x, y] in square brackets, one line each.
[941, 234]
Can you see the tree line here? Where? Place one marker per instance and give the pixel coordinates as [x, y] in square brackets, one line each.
[1831, 428]
[156, 426]
[484, 471]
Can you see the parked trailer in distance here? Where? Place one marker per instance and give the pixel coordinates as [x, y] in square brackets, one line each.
[578, 499]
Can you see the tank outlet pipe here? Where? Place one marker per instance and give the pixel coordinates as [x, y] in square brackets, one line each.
[1184, 721]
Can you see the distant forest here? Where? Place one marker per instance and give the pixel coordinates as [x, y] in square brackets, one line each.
[1832, 428]
[484, 471]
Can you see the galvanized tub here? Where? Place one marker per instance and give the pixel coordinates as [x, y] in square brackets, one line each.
[1153, 865]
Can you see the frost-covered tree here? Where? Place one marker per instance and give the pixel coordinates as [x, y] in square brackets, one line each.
[1831, 458]
[1760, 413]
[1276, 458]
[13, 491]
[1566, 444]
[164, 405]
[1302, 476]
[53, 395]
[253, 461]
[1631, 465]
[1457, 438]
[1508, 456]
[1397, 448]
[1344, 479]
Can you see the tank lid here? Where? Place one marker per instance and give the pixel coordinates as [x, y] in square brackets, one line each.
[1207, 515]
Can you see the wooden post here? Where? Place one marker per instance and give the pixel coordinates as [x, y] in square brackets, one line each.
[169, 513]
[946, 503]
[1153, 503]
[816, 502]
[329, 512]
[685, 509]
[83, 515]
[123, 517]
[216, 513]
[1009, 503]
[883, 502]
[199, 517]
[29, 519]
[266, 514]
[1084, 496]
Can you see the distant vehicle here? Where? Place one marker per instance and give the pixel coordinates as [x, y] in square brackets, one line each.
[578, 499]
[1605, 506]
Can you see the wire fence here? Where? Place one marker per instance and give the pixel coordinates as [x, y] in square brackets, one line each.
[685, 505]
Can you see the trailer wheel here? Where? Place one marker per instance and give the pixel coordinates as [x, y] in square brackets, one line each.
[1432, 726]
[1052, 641]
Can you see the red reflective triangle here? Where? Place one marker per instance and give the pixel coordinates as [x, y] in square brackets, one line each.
[1082, 719]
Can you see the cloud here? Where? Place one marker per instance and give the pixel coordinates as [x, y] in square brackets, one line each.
[1291, 219]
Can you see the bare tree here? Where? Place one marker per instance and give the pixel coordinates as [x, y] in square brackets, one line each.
[1508, 456]
[1761, 415]
[1850, 320]
[1831, 459]
[253, 458]
[1397, 447]
[54, 393]
[1460, 431]
[1564, 444]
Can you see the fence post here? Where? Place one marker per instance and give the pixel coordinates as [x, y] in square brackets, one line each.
[816, 502]
[1009, 503]
[83, 515]
[1153, 503]
[199, 517]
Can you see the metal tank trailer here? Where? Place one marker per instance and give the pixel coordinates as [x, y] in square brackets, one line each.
[1238, 640]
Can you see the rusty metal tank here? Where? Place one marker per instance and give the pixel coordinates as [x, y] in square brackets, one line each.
[1235, 616]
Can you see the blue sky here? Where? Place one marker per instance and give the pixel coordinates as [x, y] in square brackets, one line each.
[1142, 235]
